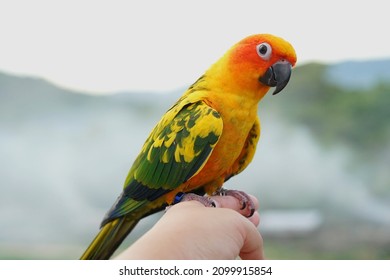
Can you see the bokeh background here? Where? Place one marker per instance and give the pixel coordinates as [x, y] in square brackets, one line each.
[68, 136]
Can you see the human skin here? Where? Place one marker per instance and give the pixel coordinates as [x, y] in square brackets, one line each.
[189, 230]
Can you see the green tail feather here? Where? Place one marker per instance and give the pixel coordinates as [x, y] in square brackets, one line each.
[115, 230]
[109, 238]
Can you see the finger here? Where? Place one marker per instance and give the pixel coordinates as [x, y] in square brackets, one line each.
[253, 244]
[255, 219]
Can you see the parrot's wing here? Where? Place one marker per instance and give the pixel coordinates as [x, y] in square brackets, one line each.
[176, 150]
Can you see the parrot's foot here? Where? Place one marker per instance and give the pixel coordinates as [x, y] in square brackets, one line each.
[243, 198]
[205, 200]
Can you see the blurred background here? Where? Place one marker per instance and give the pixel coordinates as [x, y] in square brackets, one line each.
[83, 83]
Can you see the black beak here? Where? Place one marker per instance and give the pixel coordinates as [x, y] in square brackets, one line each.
[277, 76]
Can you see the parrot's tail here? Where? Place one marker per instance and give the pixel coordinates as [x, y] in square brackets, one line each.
[109, 238]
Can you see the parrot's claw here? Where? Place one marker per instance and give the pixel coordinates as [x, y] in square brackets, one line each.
[243, 198]
[205, 200]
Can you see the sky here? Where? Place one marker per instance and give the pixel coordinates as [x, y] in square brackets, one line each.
[161, 45]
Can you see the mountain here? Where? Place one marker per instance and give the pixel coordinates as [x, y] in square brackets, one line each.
[359, 74]
[323, 152]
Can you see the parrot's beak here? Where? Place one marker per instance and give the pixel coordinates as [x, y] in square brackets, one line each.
[277, 76]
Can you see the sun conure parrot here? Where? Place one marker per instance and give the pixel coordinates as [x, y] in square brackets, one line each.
[209, 135]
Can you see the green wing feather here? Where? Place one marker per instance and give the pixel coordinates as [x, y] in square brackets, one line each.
[176, 150]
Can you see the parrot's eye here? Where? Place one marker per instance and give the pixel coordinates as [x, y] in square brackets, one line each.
[264, 50]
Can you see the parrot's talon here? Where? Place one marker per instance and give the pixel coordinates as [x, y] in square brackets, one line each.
[205, 200]
[244, 199]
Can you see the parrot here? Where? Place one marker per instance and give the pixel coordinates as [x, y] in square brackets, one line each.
[209, 135]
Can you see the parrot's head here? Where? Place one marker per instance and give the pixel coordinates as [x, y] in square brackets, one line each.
[259, 62]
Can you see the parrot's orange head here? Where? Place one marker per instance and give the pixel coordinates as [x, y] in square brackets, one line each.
[260, 61]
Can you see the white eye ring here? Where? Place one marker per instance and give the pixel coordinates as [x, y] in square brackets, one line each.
[264, 50]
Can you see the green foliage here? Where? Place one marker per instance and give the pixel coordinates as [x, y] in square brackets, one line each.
[354, 118]
[357, 118]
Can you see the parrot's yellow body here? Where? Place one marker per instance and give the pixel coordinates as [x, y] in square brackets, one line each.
[209, 135]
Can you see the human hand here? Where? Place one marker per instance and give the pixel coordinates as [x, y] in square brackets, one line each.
[188, 230]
